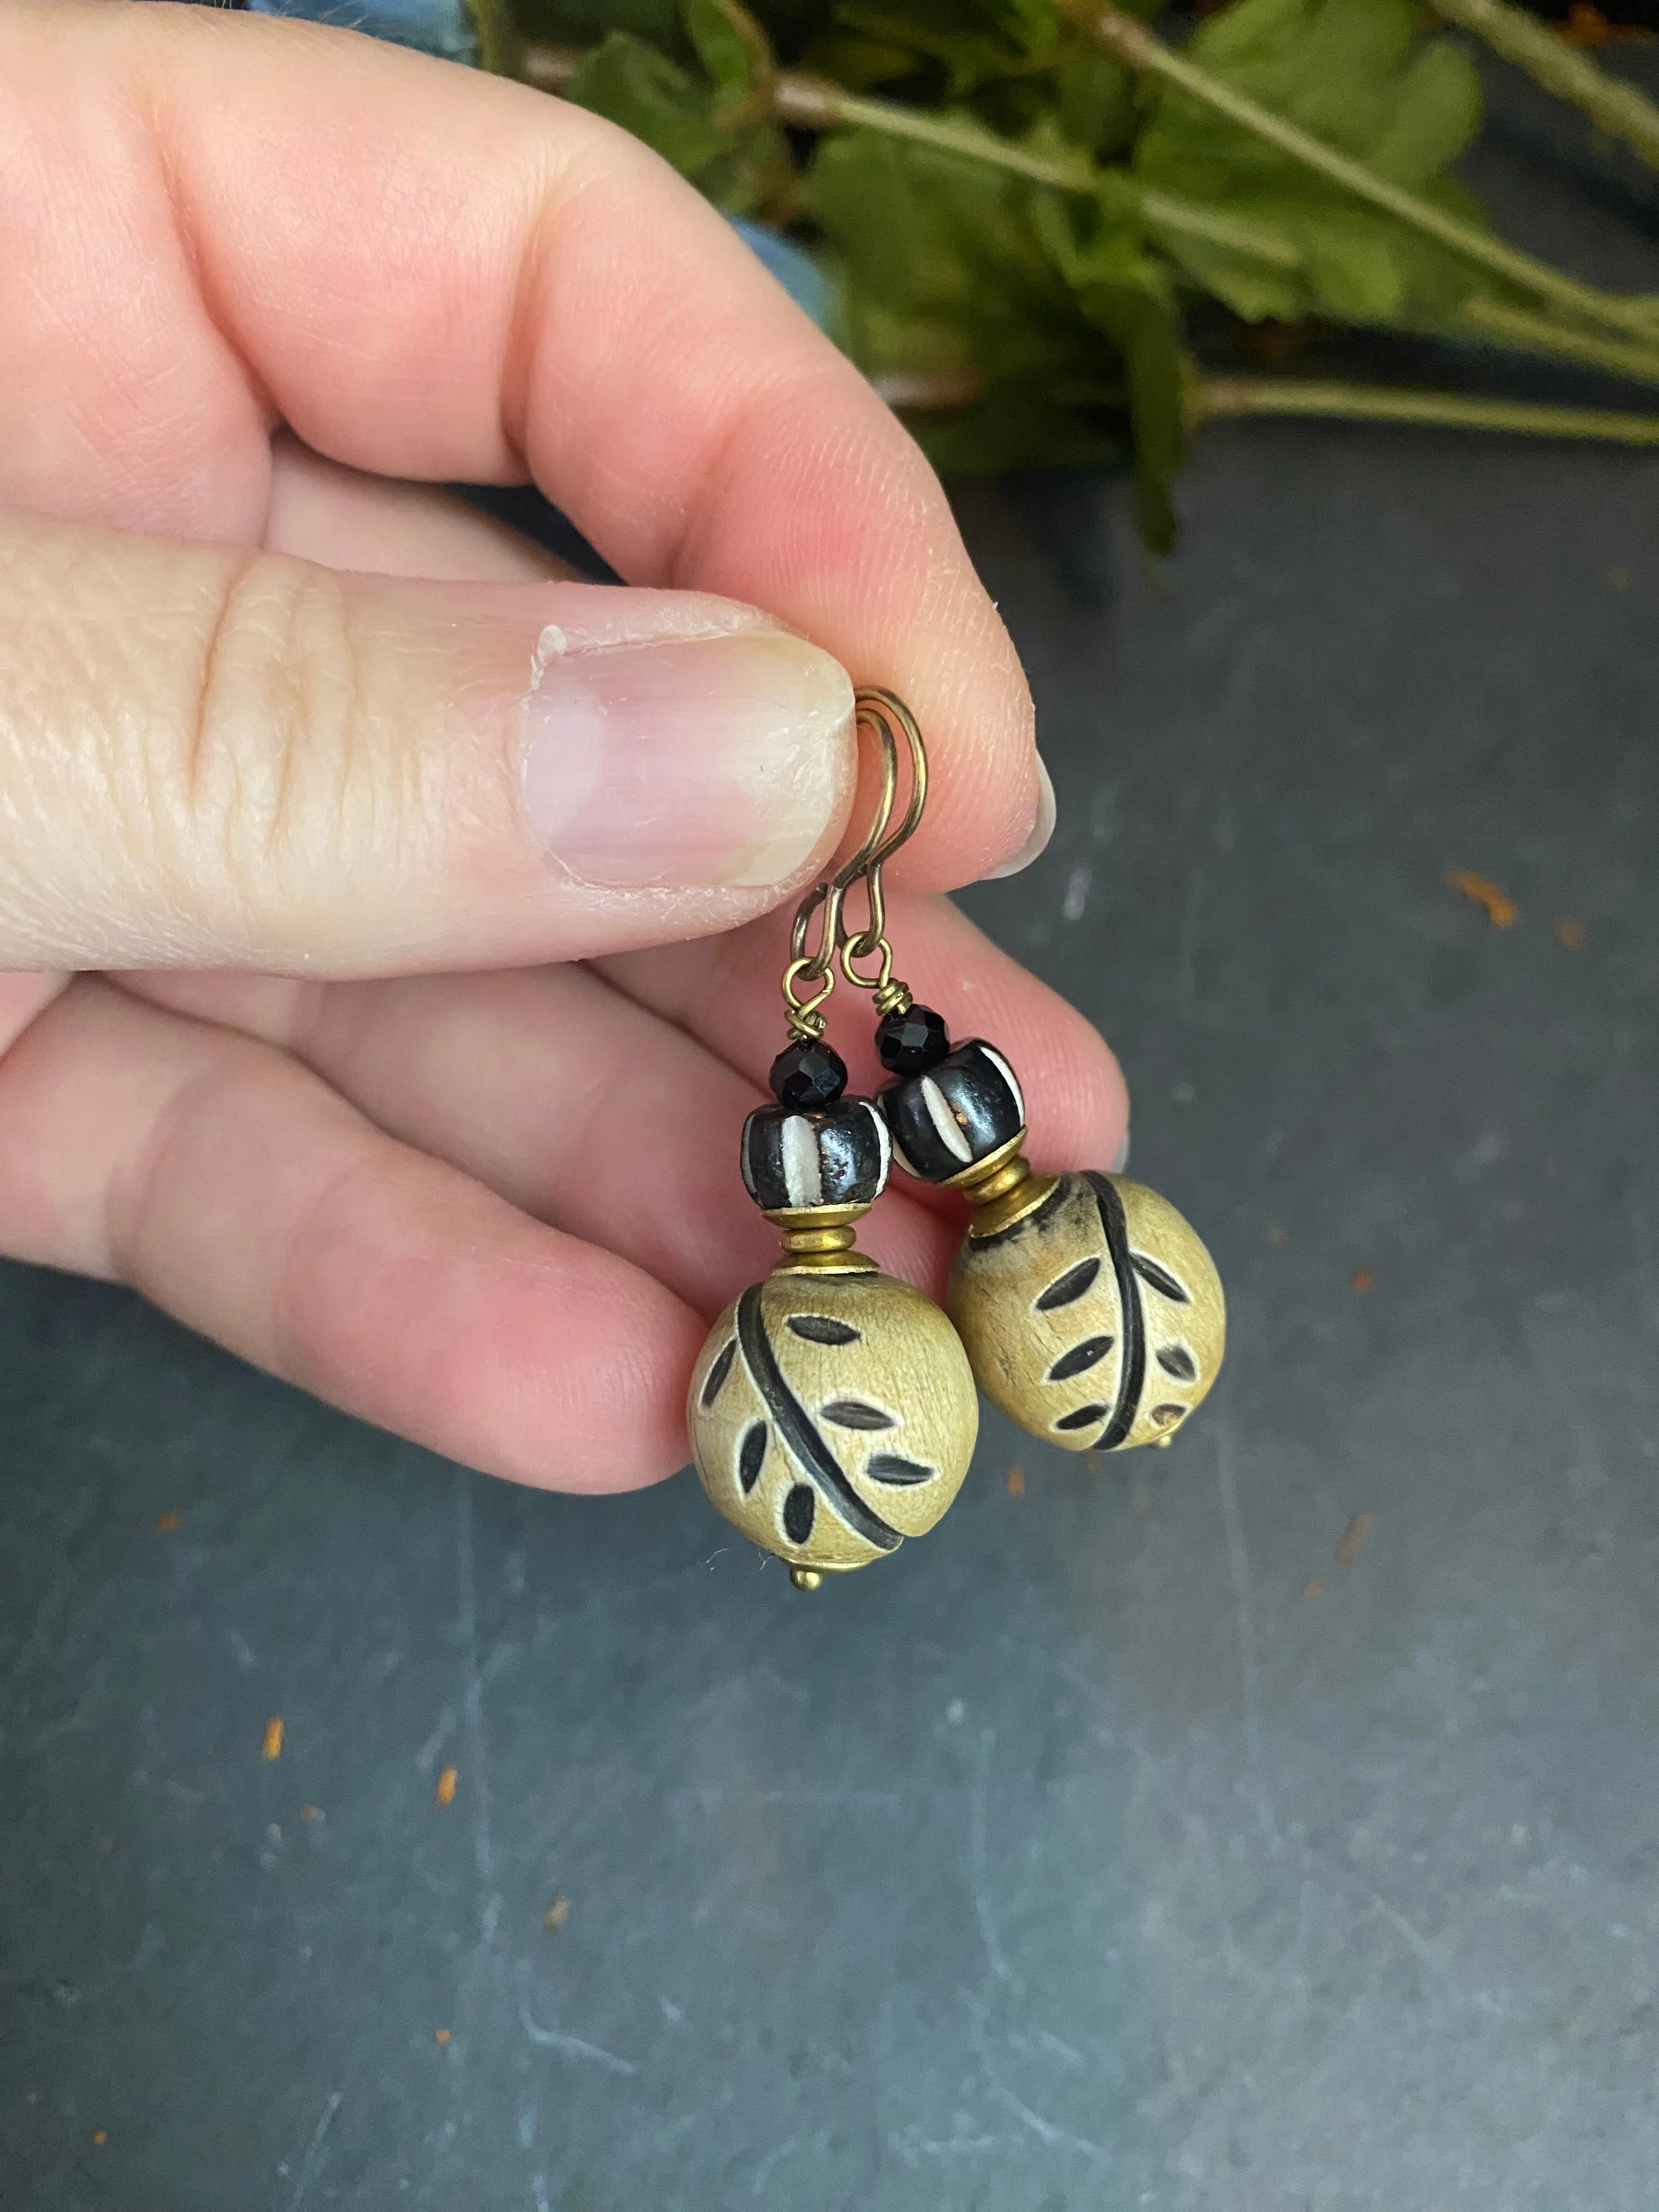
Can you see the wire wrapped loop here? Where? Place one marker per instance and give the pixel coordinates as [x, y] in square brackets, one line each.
[810, 977]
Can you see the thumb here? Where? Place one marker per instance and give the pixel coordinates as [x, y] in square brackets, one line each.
[218, 758]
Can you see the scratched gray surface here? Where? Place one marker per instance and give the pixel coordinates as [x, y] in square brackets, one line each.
[1078, 1861]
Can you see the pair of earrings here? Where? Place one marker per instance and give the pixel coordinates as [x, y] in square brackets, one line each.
[833, 1409]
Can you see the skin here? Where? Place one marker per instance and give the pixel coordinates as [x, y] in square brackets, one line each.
[261, 287]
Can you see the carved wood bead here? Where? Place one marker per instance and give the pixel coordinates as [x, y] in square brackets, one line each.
[832, 1415]
[1097, 1320]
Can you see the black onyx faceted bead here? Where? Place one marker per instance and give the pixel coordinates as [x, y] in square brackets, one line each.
[808, 1075]
[952, 1117]
[838, 1157]
[911, 1042]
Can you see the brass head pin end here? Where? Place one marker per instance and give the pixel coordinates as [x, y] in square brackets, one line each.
[806, 1578]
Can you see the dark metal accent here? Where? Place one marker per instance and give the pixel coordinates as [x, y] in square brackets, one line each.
[820, 1328]
[800, 1511]
[889, 1467]
[1086, 1354]
[857, 1413]
[798, 1432]
[1083, 1418]
[1070, 1286]
[717, 1374]
[1159, 1278]
[1132, 1373]
[752, 1456]
[1175, 1359]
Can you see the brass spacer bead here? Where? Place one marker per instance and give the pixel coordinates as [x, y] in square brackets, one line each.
[819, 1237]
[1001, 1189]
[806, 1578]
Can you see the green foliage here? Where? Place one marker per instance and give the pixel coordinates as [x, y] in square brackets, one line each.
[1049, 301]
[648, 93]
[1355, 74]
[692, 115]
[1052, 315]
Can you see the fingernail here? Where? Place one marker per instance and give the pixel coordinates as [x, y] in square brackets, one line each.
[1043, 829]
[1122, 1160]
[690, 762]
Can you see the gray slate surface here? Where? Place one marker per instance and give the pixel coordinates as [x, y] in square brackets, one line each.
[1078, 1861]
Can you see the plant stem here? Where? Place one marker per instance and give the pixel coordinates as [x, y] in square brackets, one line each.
[498, 36]
[1522, 333]
[1623, 111]
[1122, 36]
[815, 104]
[1214, 399]
[821, 106]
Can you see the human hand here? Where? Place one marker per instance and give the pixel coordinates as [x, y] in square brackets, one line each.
[390, 963]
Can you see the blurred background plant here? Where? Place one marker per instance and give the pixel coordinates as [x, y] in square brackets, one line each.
[1050, 230]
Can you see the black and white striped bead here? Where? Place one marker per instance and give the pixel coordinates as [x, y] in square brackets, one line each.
[958, 1112]
[839, 1155]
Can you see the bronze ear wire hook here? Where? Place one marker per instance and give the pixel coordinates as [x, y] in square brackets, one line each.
[881, 709]
[876, 710]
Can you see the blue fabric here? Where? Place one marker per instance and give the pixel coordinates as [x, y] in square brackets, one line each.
[794, 267]
[442, 26]
[436, 27]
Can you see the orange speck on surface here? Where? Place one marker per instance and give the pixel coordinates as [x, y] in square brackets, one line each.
[1347, 1548]
[1364, 1280]
[1571, 933]
[446, 1780]
[101, 2137]
[1015, 1482]
[1586, 26]
[1619, 579]
[441, 2035]
[1501, 909]
[166, 1523]
[1276, 1237]
[310, 1812]
[555, 1914]
[1313, 1587]
[273, 1743]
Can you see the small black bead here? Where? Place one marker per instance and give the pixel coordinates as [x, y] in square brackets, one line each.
[807, 1075]
[911, 1042]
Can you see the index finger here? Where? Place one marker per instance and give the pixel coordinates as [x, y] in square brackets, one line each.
[430, 273]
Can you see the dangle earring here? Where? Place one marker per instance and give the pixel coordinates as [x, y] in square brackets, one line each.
[832, 1410]
[1091, 1312]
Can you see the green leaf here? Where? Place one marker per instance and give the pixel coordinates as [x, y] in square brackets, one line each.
[1436, 117]
[587, 22]
[1094, 102]
[1018, 426]
[1358, 75]
[640, 87]
[938, 53]
[1049, 299]
[1126, 296]
[730, 45]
